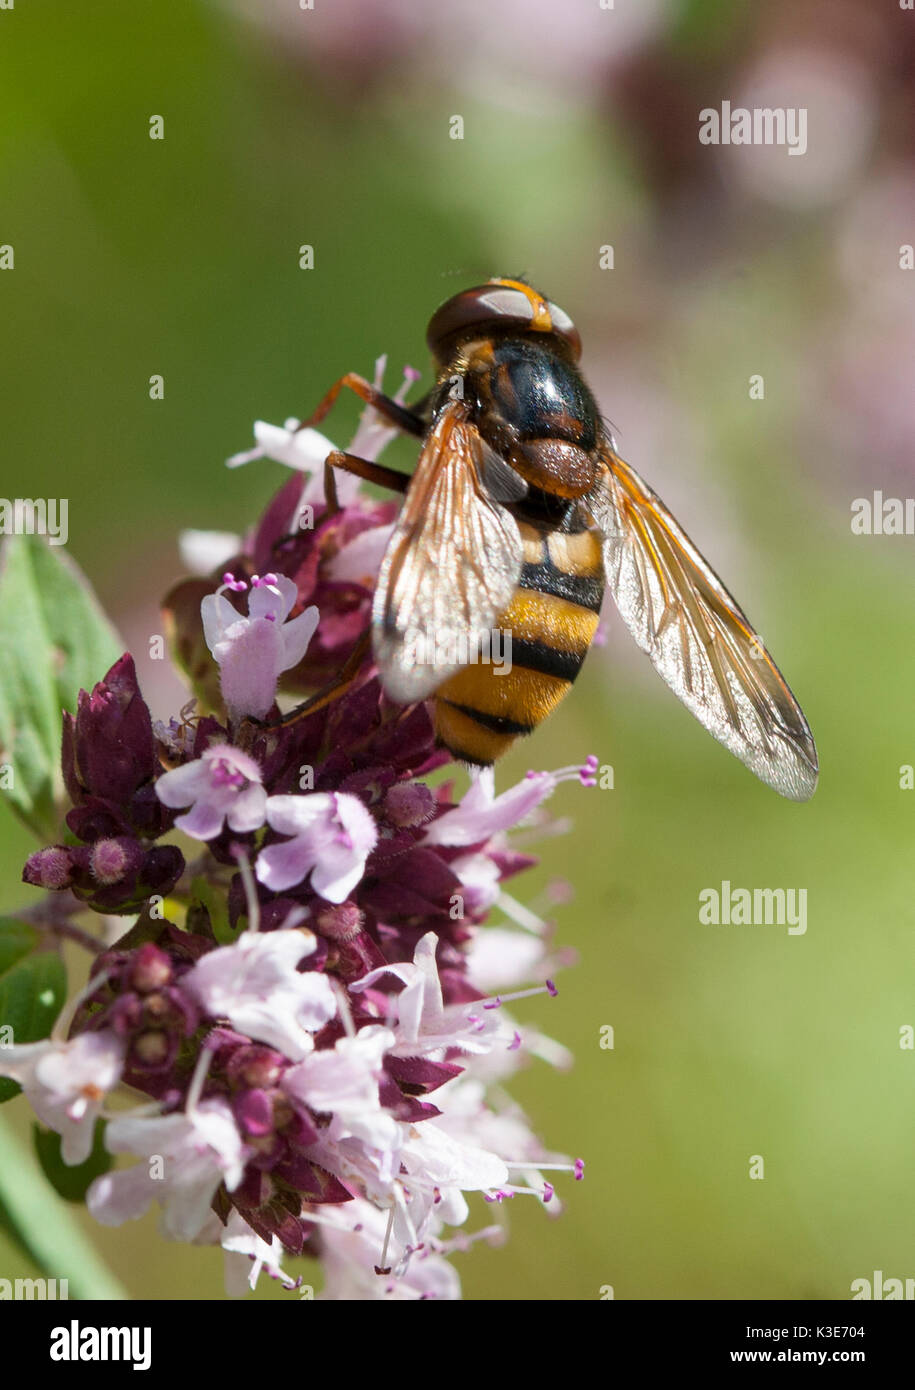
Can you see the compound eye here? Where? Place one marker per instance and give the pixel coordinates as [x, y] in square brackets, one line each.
[474, 310]
[500, 305]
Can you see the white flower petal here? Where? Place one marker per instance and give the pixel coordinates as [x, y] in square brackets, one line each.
[440, 1160]
[249, 809]
[256, 985]
[359, 561]
[296, 815]
[204, 551]
[218, 616]
[296, 636]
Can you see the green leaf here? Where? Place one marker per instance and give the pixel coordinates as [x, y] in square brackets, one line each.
[33, 986]
[45, 1227]
[17, 939]
[55, 641]
[71, 1182]
[217, 909]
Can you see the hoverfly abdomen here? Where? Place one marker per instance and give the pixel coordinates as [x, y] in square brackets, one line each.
[546, 632]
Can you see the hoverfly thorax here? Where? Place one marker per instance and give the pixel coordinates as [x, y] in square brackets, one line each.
[512, 354]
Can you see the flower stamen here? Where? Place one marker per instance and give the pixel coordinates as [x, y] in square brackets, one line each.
[251, 899]
[499, 999]
[585, 773]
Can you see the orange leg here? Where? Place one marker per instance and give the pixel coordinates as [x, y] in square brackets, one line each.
[399, 415]
[376, 473]
[340, 684]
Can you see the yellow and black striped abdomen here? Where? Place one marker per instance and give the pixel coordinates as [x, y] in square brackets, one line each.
[549, 623]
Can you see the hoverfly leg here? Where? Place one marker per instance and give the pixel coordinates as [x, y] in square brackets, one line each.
[330, 487]
[398, 415]
[390, 478]
[340, 684]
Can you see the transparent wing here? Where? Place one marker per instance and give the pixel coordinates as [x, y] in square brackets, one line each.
[451, 565]
[697, 637]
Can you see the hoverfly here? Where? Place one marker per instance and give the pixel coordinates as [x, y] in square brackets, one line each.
[518, 515]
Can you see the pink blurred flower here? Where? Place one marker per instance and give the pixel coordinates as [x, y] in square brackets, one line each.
[66, 1084]
[332, 836]
[199, 1150]
[223, 784]
[482, 814]
[253, 652]
[256, 985]
[343, 1082]
[837, 92]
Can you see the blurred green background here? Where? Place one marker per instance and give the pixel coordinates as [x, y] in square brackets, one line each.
[331, 127]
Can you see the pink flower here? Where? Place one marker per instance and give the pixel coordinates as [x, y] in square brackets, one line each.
[437, 1161]
[468, 1118]
[481, 880]
[359, 561]
[302, 449]
[247, 1255]
[500, 959]
[482, 818]
[253, 652]
[424, 1023]
[255, 984]
[374, 432]
[224, 784]
[333, 835]
[343, 1082]
[197, 1151]
[66, 1084]
[350, 1118]
[352, 1236]
[482, 814]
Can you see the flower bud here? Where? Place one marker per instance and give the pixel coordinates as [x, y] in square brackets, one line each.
[340, 923]
[112, 860]
[49, 868]
[152, 1048]
[150, 969]
[108, 751]
[409, 803]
